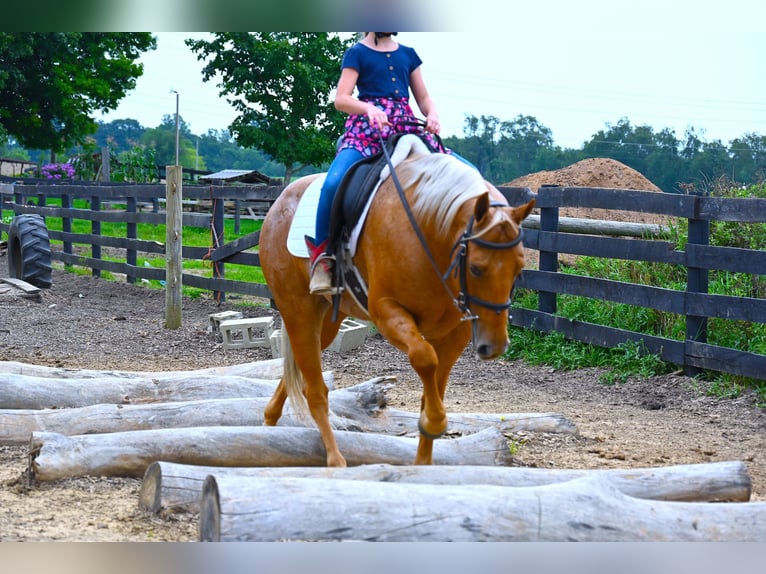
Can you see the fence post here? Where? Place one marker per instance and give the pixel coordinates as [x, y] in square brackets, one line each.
[218, 240]
[548, 260]
[132, 233]
[95, 229]
[66, 226]
[173, 244]
[696, 282]
[106, 175]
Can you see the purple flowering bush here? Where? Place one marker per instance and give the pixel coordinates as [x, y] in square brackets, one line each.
[58, 171]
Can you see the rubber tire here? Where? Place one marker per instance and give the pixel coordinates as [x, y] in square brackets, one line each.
[29, 250]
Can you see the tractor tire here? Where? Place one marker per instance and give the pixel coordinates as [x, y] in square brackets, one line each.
[29, 250]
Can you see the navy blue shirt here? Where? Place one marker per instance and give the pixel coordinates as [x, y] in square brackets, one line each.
[382, 74]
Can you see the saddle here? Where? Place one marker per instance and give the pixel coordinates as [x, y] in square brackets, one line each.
[352, 196]
[355, 189]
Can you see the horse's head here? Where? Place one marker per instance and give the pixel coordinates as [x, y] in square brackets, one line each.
[491, 258]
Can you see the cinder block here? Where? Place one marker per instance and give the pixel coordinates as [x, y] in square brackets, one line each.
[350, 336]
[246, 333]
[217, 318]
[275, 340]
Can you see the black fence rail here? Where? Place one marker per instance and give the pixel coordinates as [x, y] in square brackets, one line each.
[695, 304]
[698, 257]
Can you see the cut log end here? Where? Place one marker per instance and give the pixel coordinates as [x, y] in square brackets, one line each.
[210, 512]
[149, 496]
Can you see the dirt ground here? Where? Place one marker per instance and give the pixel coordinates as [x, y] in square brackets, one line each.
[88, 323]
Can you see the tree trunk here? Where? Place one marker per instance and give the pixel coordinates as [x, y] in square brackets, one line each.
[172, 487]
[54, 456]
[589, 509]
[358, 408]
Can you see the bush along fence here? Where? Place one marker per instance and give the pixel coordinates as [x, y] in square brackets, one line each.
[547, 233]
[132, 204]
[698, 257]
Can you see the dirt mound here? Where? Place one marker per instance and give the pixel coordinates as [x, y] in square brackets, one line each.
[594, 172]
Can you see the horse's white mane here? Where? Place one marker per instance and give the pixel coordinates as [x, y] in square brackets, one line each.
[444, 184]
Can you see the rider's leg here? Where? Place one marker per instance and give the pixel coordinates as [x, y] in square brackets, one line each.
[321, 264]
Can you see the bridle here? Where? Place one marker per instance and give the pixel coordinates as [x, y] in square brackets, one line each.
[458, 255]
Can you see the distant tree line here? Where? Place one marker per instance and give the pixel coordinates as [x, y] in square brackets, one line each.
[281, 83]
[505, 150]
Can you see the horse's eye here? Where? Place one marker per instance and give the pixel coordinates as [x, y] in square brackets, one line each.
[475, 271]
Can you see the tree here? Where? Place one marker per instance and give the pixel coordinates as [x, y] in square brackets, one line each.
[521, 141]
[163, 140]
[51, 82]
[121, 135]
[281, 85]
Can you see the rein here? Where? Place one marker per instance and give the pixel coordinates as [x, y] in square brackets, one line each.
[459, 254]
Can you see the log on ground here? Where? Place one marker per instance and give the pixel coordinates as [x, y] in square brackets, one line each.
[588, 509]
[54, 456]
[172, 487]
[266, 369]
[358, 408]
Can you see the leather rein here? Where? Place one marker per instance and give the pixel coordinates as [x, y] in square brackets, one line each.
[459, 254]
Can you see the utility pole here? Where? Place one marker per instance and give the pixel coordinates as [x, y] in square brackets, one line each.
[178, 144]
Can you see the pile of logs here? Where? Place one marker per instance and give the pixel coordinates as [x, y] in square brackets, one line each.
[197, 440]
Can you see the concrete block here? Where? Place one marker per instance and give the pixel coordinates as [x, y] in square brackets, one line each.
[217, 318]
[350, 336]
[246, 333]
[275, 341]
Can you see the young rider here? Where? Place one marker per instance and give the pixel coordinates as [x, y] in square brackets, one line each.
[383, 72]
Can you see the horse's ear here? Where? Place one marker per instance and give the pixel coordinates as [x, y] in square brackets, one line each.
[520, 213]
[482, 206]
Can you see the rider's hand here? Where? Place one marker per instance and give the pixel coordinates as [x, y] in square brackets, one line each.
[432, 123]
[377, 117]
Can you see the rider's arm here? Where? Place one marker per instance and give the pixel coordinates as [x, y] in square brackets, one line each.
[346, 102]
[424, 101]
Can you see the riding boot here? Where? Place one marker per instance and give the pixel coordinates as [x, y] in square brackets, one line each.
[320, 269]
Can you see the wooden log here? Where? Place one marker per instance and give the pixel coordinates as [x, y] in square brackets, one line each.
[54, 456]
[588, 509]
[602, 227]
[171, 487]
[32, 392]
[29, 392]
[358, 408]
[266, 369]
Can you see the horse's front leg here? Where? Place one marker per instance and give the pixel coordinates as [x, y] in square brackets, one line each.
[400, 329]
[448, 350]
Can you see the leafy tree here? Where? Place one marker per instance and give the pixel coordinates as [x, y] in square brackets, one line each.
[521, 141]
[121, 135]
[51, 82]
[163, 140]
[748, 155]
[281, 84]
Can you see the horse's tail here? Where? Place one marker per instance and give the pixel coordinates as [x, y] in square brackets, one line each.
[293, 379]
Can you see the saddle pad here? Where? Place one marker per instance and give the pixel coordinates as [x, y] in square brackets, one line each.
[304, 221]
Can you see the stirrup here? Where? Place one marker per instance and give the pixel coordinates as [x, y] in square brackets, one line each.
[321, 276]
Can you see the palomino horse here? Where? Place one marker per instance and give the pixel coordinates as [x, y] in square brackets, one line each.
[439, 267]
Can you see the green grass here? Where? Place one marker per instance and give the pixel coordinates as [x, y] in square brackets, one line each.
[192, 237]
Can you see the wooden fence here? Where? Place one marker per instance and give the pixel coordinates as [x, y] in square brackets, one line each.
[136, 203]
[698, 257]
[544, 234]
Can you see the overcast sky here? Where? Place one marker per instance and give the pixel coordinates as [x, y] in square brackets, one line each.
[671, 65]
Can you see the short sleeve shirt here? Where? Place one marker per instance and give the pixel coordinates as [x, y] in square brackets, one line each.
[382, 74]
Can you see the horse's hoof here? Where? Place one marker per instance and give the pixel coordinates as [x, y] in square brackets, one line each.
[428, 435]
